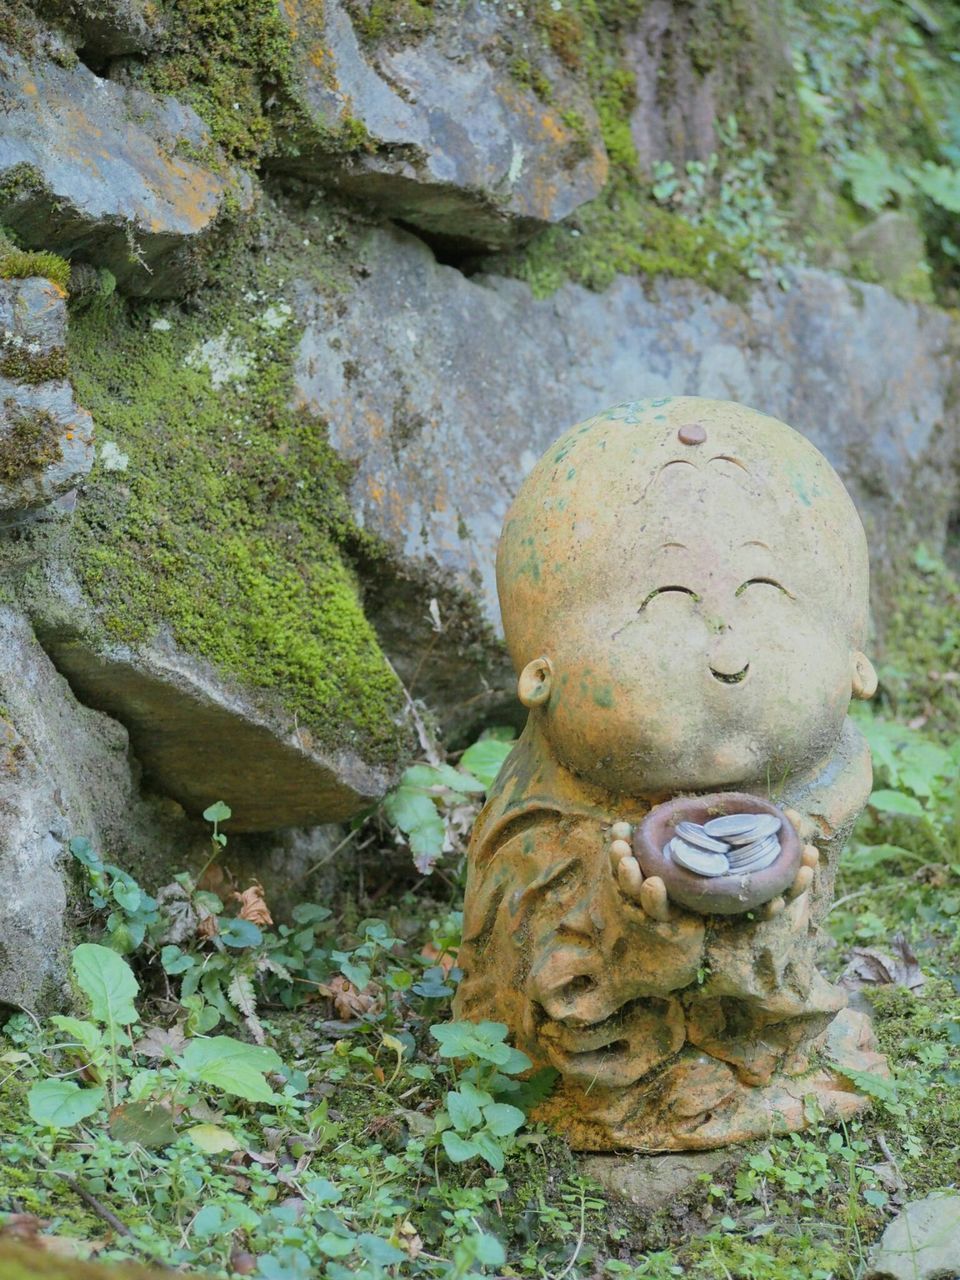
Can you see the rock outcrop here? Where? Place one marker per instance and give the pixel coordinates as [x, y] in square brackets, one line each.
[107, 173]
[443, 391]
[46, 439]
[436, 130]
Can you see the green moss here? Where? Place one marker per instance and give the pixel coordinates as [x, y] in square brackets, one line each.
[381, 18]
[22, 365]
[229, 59]
[31, 442]
[625, 232]
[20, 264]
[229, 523]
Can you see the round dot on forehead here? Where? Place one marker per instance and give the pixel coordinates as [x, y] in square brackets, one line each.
[692, 433]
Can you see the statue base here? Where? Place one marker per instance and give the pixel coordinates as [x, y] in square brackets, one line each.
[697, 1102]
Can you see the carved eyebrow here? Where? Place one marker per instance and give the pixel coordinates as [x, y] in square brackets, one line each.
[659, 591]
[726, 457]
[769, 582]
[753, 542]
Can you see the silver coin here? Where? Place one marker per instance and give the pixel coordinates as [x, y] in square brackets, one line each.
[759, 864]
[731, 824]
[764, 824]
[765, 856]
[699, 861]
[694, 834]
[745, 852]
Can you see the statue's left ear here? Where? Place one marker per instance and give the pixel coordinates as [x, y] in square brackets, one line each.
[864, 676]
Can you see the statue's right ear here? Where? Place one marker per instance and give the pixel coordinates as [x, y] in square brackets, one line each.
[535, 682]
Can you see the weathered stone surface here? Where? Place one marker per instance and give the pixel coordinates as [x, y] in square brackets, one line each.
[443, 390]
[443, 136]
[107, 28]
[690, 75]
[96, 170]
[200, 737]
[46, 439]
[651, 1182]
[923, 1243]
[64, 771]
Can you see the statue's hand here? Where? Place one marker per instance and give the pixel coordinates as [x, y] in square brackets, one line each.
[805, 829]
[649, 893]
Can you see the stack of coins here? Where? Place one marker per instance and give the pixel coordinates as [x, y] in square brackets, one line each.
[736, 844]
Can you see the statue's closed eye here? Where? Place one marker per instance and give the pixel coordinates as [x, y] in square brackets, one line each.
[766, 582]
[659, 591]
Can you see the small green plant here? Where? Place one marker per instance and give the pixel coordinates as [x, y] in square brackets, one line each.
[432, 805]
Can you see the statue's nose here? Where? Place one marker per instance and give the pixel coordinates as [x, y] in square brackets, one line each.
[728, 661]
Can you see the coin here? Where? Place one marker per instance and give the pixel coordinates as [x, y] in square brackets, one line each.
[761, 855]
[699, 861]
[731, 824]
[694, 834]
[764, 824]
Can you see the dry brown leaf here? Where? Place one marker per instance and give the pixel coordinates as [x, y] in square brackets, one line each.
[161, 1042]
[871, 967]
[348, 1002]
[208, 927]
[253, 905]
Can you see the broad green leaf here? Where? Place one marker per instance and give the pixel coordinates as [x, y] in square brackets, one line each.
[457, 1148]
[232, 1066]
[218, 812]
[84, 1034]
[464, 1112]
[409, 808]
[109, 982]
[485, 759]
[489, 1251]
[896, 802]
[490, 1149]
[873, 180]
[335, 1246]
[58, 1104]
[440, 775]
[174, 960]
[208, 1222]
[147, 1123]
[237, 932]
[502, 1119]
[379, 1251]
[212, 1139]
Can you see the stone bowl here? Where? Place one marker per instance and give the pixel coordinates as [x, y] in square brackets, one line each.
[720, 895]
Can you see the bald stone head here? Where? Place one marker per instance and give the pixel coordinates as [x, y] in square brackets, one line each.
[684, 586]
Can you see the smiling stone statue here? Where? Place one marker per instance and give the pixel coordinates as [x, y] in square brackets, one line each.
[684, 594]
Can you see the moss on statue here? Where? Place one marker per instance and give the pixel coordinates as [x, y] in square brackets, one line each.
[217, 511]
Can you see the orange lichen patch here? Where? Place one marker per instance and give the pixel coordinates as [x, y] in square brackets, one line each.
[552, 128]
[376, 490]
[30, 88]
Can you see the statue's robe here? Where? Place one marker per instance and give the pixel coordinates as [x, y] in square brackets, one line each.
[688, 1033]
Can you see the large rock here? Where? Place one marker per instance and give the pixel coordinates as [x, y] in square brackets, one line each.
[46, 439]
[64, 771]
[443, 391]
[200, 736]
[922, 1243]
[438, 131]
[93, 169]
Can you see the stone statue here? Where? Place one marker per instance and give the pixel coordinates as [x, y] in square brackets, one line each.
[684, 593]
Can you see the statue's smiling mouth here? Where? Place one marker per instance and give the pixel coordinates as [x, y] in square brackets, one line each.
[725, 677]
